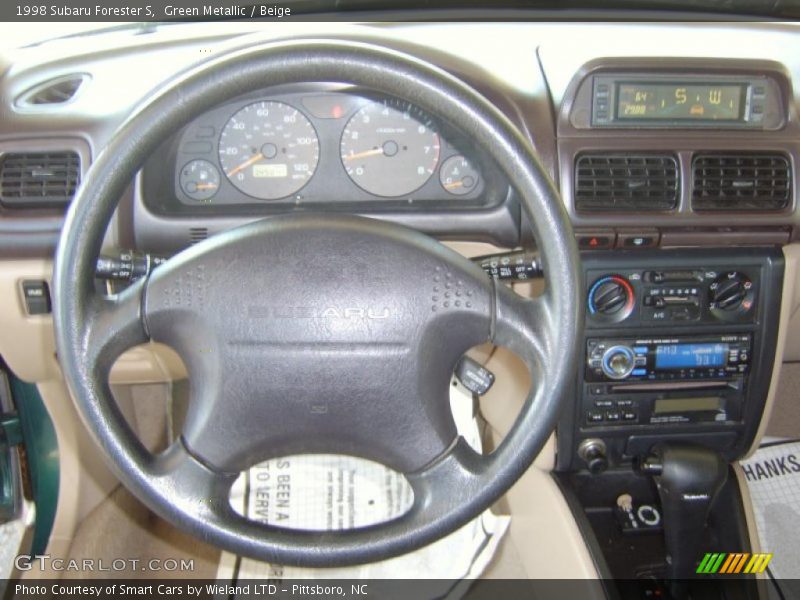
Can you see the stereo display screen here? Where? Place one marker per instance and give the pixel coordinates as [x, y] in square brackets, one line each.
[691, 356]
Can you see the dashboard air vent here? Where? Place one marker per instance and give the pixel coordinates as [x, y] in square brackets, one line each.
[738, 181]
[55, 91]
[626, 181]
[38, 179]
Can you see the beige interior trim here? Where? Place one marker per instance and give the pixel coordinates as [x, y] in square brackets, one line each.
[148, 363]
[26, 344]
[545, 532]
[791, 304]
[749, 513]
[788, 319]
[543, 529]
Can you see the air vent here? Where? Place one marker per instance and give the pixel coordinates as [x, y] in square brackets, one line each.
[738, 181]
[53, 92]
[197, 234]
[622, 181]
[38, 179]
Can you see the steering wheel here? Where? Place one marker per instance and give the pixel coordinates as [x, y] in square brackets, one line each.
[356, 359]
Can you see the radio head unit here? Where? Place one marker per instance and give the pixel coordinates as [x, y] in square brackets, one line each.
[679, 358]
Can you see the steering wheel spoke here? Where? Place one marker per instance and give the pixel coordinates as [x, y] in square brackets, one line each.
[113, 324]
[196, 488]
[455, 475]
[523, 325]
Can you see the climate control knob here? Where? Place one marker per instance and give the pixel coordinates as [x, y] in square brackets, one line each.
[611, 298]
[618, 362]
[730, 294]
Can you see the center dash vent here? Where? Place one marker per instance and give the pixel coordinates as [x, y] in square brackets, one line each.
[38, 179]
[739, 181]
[55, 91]
[626, 181]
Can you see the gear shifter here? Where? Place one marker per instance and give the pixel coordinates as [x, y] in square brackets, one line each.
[688, 479]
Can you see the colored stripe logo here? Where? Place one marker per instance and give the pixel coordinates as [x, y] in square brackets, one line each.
[733, 563]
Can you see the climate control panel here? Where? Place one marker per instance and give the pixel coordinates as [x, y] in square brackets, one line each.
[671, 296]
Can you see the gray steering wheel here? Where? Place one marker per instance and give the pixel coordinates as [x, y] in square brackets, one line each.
[357, 361]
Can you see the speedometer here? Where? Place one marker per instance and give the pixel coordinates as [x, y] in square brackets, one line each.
[389, 150]
[269, 150]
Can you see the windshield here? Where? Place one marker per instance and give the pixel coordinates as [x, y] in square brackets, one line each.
[28, 34]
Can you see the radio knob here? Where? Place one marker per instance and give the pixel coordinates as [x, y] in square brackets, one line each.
[730, 292]
[618, 362]
[612, 297]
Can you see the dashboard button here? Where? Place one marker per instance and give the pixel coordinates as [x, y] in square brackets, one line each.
[595, 241]
[613, 415]
[37, 296]
[637, 239]
[594, 417]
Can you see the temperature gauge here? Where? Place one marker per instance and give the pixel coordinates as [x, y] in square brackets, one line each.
[199, 180]
[458, 176]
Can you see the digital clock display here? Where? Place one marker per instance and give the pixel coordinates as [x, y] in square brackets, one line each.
[680, 102]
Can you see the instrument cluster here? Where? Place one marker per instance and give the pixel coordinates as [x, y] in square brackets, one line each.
[320, 147]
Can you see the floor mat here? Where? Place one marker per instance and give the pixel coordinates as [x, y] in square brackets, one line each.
[773, 477]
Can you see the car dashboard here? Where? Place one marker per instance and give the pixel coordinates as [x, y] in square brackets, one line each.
[674, 147]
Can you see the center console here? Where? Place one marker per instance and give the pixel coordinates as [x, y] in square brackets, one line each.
[680, 178]
[678, 345]
[677, 357]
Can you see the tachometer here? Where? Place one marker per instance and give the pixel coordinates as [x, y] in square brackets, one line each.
[269, 150]
[389, 150]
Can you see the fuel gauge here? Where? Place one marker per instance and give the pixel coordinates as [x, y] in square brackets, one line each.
[458, 176]
[200, 180]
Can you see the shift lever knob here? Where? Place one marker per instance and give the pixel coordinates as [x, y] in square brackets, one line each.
[688, 479]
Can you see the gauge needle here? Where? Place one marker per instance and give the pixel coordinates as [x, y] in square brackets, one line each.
[373, 152]
[245, 164]
[453, 184]
[206, 186]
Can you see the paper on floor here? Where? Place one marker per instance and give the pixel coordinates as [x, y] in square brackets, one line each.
[773, 477]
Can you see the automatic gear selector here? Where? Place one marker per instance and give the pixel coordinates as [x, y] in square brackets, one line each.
[688, 478]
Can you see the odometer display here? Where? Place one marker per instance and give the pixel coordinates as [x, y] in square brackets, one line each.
[269, 150]
[680, 102]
